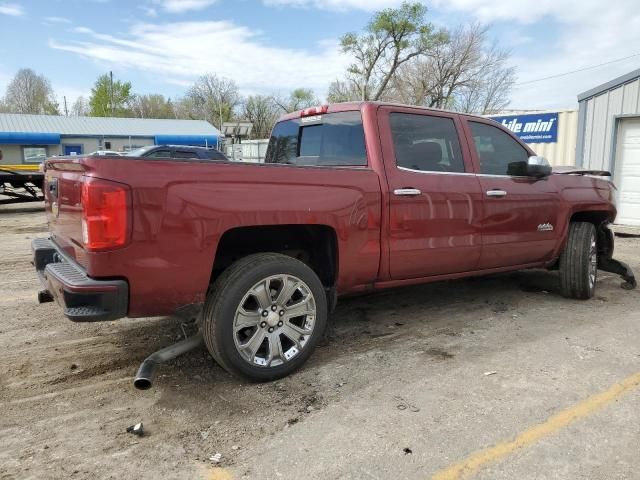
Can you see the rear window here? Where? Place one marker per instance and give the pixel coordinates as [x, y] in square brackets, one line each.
[331, 140]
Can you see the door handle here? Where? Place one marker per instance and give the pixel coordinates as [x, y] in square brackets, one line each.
[407, 192]
[496, 193]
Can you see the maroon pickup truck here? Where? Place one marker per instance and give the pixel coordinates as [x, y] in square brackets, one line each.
[351, 198]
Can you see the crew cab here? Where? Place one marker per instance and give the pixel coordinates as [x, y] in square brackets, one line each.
[352, 198]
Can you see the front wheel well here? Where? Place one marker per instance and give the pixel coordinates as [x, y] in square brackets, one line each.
[315, 245]
[595, 217]
[600, 220]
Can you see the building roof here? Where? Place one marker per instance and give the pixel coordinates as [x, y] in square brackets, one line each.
[107, 126]
[610, 85]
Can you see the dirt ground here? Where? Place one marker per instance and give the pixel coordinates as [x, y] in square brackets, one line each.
[407, 384]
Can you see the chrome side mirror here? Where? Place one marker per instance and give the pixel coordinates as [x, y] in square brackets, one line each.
[538, 167]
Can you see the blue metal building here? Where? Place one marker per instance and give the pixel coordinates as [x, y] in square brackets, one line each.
[31, 138]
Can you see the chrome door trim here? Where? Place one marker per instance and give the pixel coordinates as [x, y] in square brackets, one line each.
[435, 173]
[496, 193]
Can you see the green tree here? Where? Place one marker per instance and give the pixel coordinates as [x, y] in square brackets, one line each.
[393, 37]
[110, 100]
[298, 99]
[29, 92]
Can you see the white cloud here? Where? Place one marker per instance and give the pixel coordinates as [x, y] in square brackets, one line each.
[588, 34]
[567, 35]
[5, 78]
[368, 5]
[81, 30]
[573, 34]
[149, 11]
[56, 20]
[180, 52]
[12, 9]
[180, 6]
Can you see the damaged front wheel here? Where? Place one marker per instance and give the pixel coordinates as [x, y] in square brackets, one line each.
[579, 262]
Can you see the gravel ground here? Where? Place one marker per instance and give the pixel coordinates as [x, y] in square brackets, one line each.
[398, 389]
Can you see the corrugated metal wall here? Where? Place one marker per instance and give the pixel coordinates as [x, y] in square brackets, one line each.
[563, 152]
[599, 116]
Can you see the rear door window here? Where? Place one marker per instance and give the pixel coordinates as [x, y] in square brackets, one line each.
[426, 143]
[331, 140]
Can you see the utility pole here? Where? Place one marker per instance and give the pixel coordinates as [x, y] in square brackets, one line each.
[220, 114]
[66, 111]
[111, 89]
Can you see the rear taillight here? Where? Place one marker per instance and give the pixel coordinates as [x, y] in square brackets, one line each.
[105, 214]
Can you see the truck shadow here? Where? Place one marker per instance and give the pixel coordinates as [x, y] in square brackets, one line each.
[371, 338]
[367, 322]
[34, 207]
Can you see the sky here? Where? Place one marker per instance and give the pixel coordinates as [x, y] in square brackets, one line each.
[274, 46]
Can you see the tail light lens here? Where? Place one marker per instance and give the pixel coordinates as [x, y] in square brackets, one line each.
[105, 214]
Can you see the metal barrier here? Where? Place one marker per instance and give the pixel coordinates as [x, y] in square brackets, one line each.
[248, 151]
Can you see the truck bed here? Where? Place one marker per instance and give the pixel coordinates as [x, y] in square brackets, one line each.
[181, 210]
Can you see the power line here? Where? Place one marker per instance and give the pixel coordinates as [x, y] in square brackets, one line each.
[576, 71]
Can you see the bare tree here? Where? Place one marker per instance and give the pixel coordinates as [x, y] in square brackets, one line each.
[343, 91]
[263, 112]
[80, 107]
[211, 98]
[392, 38]
[151, 106]
[490, 91]
[298, 99]
[185, 108]
[29, 92]
[463, 74]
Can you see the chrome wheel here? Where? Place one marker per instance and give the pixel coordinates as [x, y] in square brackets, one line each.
[593, 263]
[274, 320]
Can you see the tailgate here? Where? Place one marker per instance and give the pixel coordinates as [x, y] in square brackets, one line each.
[63, 190]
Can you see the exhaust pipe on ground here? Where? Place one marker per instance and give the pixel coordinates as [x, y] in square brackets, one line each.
[144, 377]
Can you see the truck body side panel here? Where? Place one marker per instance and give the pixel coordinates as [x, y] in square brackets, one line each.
[181, 210]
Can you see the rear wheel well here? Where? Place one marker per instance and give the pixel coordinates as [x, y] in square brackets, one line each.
[315, 245]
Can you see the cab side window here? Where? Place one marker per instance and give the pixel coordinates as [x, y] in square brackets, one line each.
[499, 153]
[426, 143]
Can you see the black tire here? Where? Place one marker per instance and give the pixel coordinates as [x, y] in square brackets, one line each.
[577, 275]
[224, 298]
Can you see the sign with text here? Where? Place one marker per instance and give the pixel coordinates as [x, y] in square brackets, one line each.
[532, 128]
